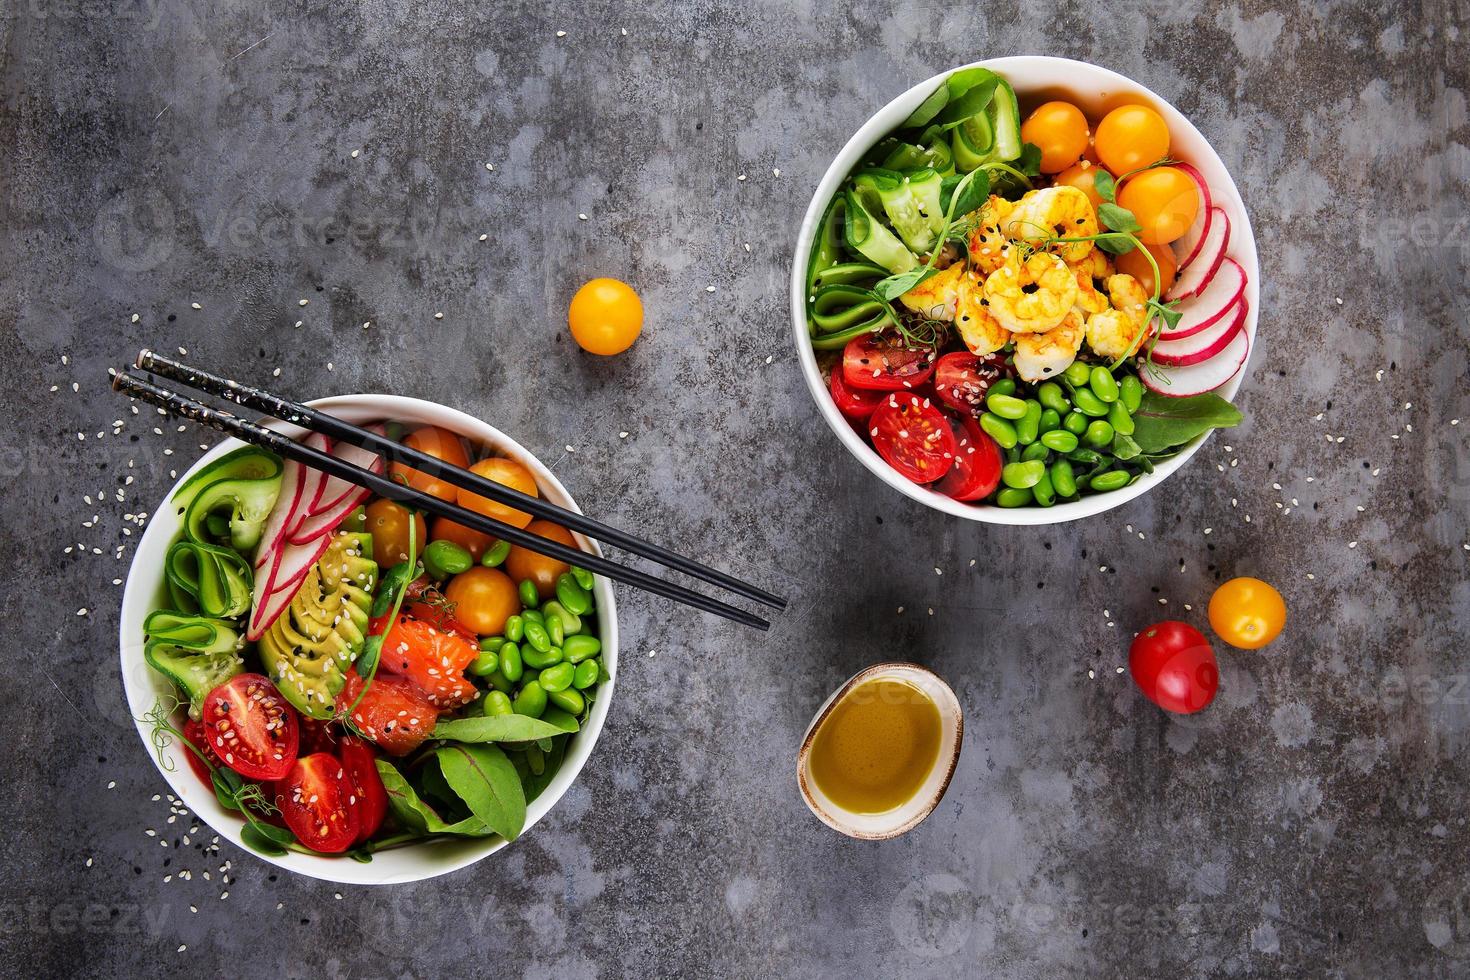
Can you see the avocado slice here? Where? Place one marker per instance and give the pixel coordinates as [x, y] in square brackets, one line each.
[309, 648]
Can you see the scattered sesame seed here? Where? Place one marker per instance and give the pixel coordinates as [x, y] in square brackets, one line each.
[484, 237]
[196, 306]
[622, 435]
[581, 217]
[302, 303]
[558, 34]
[709, 289]
[438, 316]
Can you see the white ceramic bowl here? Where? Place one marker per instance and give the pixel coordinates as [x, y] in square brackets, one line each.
[144, 593]
[1036, 79]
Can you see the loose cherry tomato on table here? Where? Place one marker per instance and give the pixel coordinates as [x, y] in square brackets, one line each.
[857, 404]
[1082, 175]
[1165, 200]
[315, 800]
[484, 598]
[1131, 136]
[506, 472]
[605, 317]
[913, 436]
[1247, 613]
[1174, 667]
[1134, 264]
[961, 379]
[369, 797]
[880, 362]
[522, 563]
[393, 712]
[977, 464]
[388, 523]
[1059, 129]
[441, 444]
[251, 727]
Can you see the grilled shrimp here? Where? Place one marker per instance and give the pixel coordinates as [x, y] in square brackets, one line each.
[988, 245]
[1117, 332]
[977, 326]
[1045, 355]
[1090, 272]
[938, 296]
[1031, 295]
[1061, 212]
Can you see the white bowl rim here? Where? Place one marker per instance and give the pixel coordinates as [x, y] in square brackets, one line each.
[400, 865]
[883, 122]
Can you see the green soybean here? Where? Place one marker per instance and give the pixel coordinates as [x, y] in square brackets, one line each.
[1036, 450]
[572, 595]
[533, 616]
[1110, 480]
[1099, 434]
[541, 659]
[499, 681]
[998, 429]
[569, 701]
[1052, 397]
[535, 760]
[1075, 423]
[1050, 419]
[1063, 480]
[1006, 406]
[579, 648]
[1004, 386]
[487, 663]
[1013, 497]
[492, 643]
[555, 630]
[1089, 404]
[1077, 373]
[530, 701]
[586, 674]
[1028, 426]
[530, 598]
[1043, 492]
[445, 558]
[537, 637]
[497, 704]
[1119, 418]
[571, 623]
[1022, 476]
[1100, 380]
[1061, 440]
[496, 554]
[583, 577]
[557, 677]
[1013, 455]
[511, 665]
[1085, 456]
[1130, 392]
[515, 628]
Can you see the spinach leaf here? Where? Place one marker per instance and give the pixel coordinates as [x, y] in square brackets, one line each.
[227, 784]
[558, 718]
[1162, 422]
[393, 579]
[1125, 447]
[975, 100]
[416, 816]
[1117, 244]
[503, 728]
[489, 785]
[265, 838]
[1029, 162]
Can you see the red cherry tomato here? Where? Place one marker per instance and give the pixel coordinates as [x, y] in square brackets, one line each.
[318, 736]
[314, 800]
[856, 404]
[878, 362]
[251, 727]
[961, 379]
[913, 436]
[369, 798]
[977, 464]
[1174, 667]
[195, 733]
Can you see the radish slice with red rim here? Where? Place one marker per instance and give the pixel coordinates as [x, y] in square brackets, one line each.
[1212, 305]
[1188, 247]
[274, 592]
[1196, 379]
[283, 514]
[334, 490]
[314, 481]
[1201, 271]
[1203, 345]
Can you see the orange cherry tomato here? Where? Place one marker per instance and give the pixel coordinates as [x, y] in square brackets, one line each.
[523, 564]
[506, 472]
[1130, 137]
[1080, 175]
[606, 316]
[441, 444]
[1164, 200]
[1136, 265]
[1247, 613]
[1060, 130]
[475, 542]
[388, 523]
[484, 598]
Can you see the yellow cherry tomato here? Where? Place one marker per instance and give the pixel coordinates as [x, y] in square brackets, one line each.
[1247, 613]
[606, 316]
[388, 523]
[483, 598]
[1131, 136]
[441, 444]
[1060, 130]
[1165, 200]
[1136, 265]
[523, 564]
[506, 472]
[1080, 175]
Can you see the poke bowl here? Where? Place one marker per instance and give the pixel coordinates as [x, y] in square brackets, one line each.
[371, 642]
[1025, 291]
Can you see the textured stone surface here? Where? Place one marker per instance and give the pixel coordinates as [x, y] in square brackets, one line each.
[1311, 823]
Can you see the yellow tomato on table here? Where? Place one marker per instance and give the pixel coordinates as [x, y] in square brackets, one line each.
[1247, 613]
[606, 316]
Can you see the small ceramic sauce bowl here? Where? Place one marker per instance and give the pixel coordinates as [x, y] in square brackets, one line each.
[906, 816]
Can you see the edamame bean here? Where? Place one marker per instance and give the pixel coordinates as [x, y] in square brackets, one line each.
[515, 628]
[500, 682]
[1130, 392]
[1013, 455]
[1110, 480]
[1028, 426]
[487, 663]
[1043, 492]
[1022, 476]
[1006, 406]
[555, 630]
[530, 598]
[1102, 384]
[1013, 497]
[1063, 479]
[572, 595]
[497, 704]
[1085, 456]
[1034, 451]
[570, 701]
[492, 643]
[557, 677]
[1050, 419]
[586, 674]
[1075, 423]
[998, 429]
[1051, 396]
[445, 558]
[533, 616]
[583, 577]
[541, 659]
[496, 554]
[511, 666]
[531, 701]
[1002, 386]
[1077, 373]
[579, 648]
[535, 760]
[571, 623]
[1089, 404]
[1061, 440]
[537, 637]
[1099, 434]
[1119, 418]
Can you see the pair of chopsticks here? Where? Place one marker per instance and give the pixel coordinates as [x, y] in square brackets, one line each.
[335, 428]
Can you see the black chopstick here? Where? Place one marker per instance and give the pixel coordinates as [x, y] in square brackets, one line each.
[246, 431]
[329, 425]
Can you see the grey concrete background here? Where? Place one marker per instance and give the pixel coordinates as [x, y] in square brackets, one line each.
[246, 156]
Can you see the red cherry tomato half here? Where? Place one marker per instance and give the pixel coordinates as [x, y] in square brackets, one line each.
[879, 362]
[961, 379]
[913, 436]
[856, 404]
[1174, 667]
[977, 464]
[251, 727]
[369, 797]
[314, 800]
[318, 736]
[195, 733]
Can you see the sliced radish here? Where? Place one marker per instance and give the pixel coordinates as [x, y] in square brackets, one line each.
[1193, 280]
[1215, 304]
[1196, 379]
[334, 490]
[274, 592]
[283, 514]
[322, 525]
[1189, 246]
[314, 481]
[1203, 345]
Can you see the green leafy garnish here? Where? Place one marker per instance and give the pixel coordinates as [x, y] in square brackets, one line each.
[1163, 422]
[1103, 183]
[502, 728]
[1118, 219]
[484, 778]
